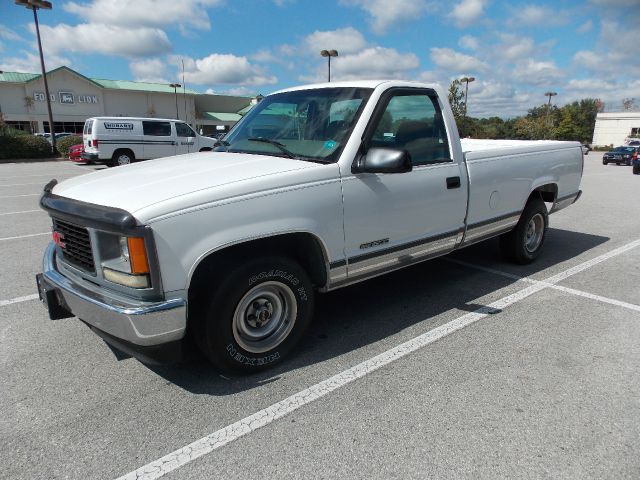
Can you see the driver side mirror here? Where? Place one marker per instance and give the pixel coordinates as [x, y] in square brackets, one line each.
[383, 160]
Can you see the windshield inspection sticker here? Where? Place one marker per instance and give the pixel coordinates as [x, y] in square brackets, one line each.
[329, 144]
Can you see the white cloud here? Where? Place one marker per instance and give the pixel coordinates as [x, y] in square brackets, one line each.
[452, 61]
[386, 14]
[225, 69]
[145, 13]
[585, 27]
[374, 62]
[105, 39]
[150, 70]
[345, 40]
[370, 63]
[534, 72]
[469, 42]
[8, 34]
[30, 63]
[514, 47]
[538, 16]
[467, 11]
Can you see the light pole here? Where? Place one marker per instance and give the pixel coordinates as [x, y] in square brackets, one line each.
[329, 54]
[466, 80]
[35, 5]
[549, 94]
[175, 92]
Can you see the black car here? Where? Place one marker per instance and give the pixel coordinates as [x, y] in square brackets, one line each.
[619, 155]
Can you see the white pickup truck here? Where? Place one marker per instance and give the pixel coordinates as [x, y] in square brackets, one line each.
[317, 188]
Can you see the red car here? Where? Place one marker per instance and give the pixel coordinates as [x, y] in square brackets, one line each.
[75, 153]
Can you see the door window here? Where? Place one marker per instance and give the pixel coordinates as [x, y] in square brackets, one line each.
[159, 129]
[184, 130]
[413, 122]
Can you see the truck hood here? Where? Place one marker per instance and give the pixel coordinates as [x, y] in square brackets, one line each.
[156, 187]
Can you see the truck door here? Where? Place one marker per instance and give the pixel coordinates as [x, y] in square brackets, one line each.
[395, 219]
[185, 138]
[158, 140]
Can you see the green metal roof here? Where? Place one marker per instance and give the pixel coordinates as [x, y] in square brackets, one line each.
[221, 116]
[245, 110]
[138, 86]
[17, 77]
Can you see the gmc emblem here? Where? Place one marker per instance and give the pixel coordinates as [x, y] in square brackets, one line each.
[58, 239]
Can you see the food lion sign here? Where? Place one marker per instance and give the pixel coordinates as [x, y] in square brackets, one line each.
[67, 98]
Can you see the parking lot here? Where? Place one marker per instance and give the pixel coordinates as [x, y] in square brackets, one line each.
[461, 367]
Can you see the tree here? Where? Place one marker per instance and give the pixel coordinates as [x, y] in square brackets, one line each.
[456, 100]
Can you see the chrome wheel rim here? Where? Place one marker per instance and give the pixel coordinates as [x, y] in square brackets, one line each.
[533, 234]
[124, 160]
[264, 317]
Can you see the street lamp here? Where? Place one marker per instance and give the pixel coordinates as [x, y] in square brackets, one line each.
[175, 92]
[467, 81]
[329, 54]
[35, 5]
[550, 94]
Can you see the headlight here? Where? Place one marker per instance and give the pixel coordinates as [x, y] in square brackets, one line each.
[124, 261]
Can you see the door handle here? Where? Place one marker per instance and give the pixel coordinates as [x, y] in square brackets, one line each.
[453, 182]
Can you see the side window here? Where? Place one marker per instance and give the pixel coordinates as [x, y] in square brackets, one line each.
[158, 129]
[184, 130]
[413, 122]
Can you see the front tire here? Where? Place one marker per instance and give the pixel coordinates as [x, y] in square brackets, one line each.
[636, 169]
[604, 162]
[258, 313]
[524, 243]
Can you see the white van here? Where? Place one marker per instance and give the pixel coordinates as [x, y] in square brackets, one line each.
[122, 140]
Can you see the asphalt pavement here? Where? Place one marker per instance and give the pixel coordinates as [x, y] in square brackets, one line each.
[461, 367]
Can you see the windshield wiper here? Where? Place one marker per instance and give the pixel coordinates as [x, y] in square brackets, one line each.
[280, 146]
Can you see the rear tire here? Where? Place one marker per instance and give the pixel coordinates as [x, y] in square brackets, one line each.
[636, 169]
[524, 243]
[121, 157]
[257, 314]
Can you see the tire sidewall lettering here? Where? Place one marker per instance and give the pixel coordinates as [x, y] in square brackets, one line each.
[251, 361]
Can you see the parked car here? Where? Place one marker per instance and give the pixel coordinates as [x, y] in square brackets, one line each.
[234, 245]
[634, 143]
[75, 153]
[619, 155]
[122, 140]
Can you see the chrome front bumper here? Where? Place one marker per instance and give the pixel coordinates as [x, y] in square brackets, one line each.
[125, 322]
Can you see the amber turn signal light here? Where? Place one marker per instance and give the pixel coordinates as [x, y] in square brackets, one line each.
[138, 255]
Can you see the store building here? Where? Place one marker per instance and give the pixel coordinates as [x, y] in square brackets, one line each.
[613, 128]
[74, 98]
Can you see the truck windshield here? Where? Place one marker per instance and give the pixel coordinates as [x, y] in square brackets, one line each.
[304, 124]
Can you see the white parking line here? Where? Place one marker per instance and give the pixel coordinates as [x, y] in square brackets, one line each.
[23, 211]
[25, 236]
[226, 435]
[24, 184]
[58, 173]
[26, 195]
[11, 301]
[573, 291]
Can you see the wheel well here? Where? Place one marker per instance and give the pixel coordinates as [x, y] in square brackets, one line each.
[124, 150]
[304, 248]
[548, 193]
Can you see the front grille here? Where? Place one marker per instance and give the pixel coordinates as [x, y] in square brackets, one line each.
[75, 244]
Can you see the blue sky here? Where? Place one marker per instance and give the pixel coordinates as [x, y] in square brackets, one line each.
[516, 50]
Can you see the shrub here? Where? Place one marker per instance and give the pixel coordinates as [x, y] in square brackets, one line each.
[63, 144]
[24, 146]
